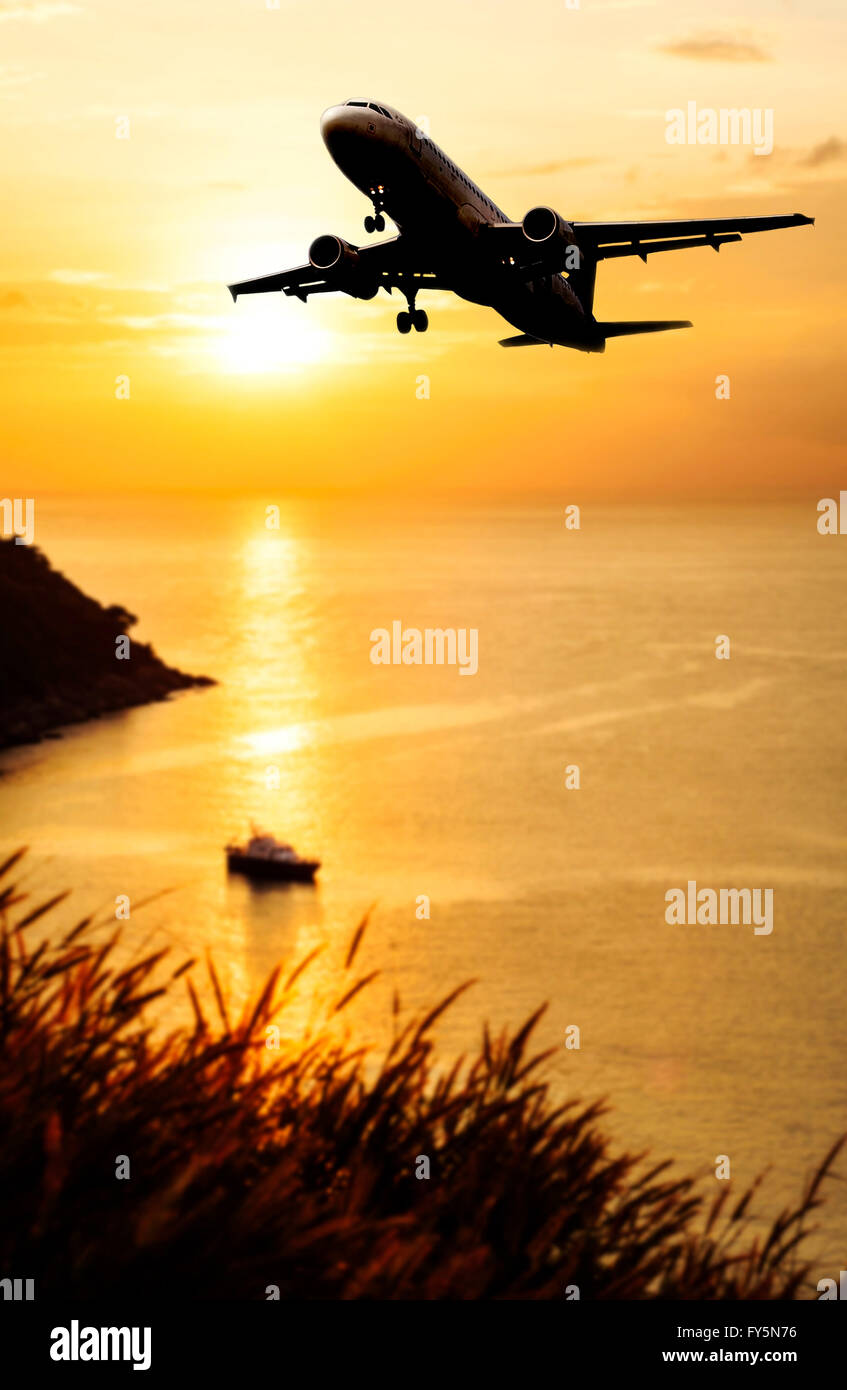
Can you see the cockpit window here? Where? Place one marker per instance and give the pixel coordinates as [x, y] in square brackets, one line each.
[372, 106]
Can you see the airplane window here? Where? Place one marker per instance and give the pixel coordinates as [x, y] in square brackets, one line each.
[357, 103]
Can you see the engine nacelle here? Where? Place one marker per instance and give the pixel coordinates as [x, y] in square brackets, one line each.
[548, 232]
[341, 263]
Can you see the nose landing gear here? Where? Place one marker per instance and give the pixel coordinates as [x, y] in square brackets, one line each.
[377, 222]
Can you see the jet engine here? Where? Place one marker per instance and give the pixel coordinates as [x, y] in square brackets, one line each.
[548, 233]
[342, 264]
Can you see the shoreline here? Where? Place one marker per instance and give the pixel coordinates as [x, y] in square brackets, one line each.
[70, 658]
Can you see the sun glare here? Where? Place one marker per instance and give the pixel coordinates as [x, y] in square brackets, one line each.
[287, 739]
[263, 337]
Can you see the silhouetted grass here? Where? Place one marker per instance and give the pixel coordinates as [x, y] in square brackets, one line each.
[296, 1167]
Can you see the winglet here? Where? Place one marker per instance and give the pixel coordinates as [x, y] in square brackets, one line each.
[234, 292]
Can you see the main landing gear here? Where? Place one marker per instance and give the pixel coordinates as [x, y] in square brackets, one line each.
[410, 318]
[414, 318]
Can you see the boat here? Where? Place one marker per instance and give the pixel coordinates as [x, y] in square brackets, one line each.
[266, 857]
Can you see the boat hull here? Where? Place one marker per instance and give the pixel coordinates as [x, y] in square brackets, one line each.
[302, 872]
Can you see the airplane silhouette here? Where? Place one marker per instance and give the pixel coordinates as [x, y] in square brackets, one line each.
[537, 274]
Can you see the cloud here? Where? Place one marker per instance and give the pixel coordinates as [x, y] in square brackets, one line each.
[143, 323]
[36, 11]
[555, 166]
[716, 49]
[10, 78]
[825, 153]
[78, 277]
[13, 299]
[642, 113]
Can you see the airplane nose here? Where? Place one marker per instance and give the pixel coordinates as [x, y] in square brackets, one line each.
[332, 122]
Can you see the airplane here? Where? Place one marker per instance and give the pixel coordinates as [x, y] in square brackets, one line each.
[538, 274]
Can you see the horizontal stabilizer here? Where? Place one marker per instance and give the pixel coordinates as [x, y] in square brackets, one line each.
[623, 330]
[522, 340]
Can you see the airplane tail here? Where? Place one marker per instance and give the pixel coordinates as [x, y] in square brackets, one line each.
[597, 342]
[624, 330]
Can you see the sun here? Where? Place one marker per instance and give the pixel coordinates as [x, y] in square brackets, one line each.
[267, 335]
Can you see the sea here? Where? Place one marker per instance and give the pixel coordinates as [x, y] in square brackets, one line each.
[660, 699]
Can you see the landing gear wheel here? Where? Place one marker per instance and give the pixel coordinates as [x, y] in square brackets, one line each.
[420, 322]
[404, 321]
[379, 222]
[370, 224]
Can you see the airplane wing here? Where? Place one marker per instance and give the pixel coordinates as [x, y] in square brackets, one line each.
[608, 240]
[303, 280]
[388, 264]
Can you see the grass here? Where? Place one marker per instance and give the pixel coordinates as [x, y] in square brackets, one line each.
[295, 1167]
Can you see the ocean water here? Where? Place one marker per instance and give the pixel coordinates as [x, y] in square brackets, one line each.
[596, 650]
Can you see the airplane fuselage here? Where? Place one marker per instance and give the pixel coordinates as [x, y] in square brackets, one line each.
[432, 200]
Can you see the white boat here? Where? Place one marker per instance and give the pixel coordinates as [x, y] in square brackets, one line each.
[266, 857]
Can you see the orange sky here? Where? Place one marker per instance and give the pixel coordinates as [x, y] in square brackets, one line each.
[116, 253]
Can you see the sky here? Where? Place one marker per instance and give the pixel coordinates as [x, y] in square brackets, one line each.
[115, 253]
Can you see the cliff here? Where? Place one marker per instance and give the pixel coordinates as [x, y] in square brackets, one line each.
[58, 661]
